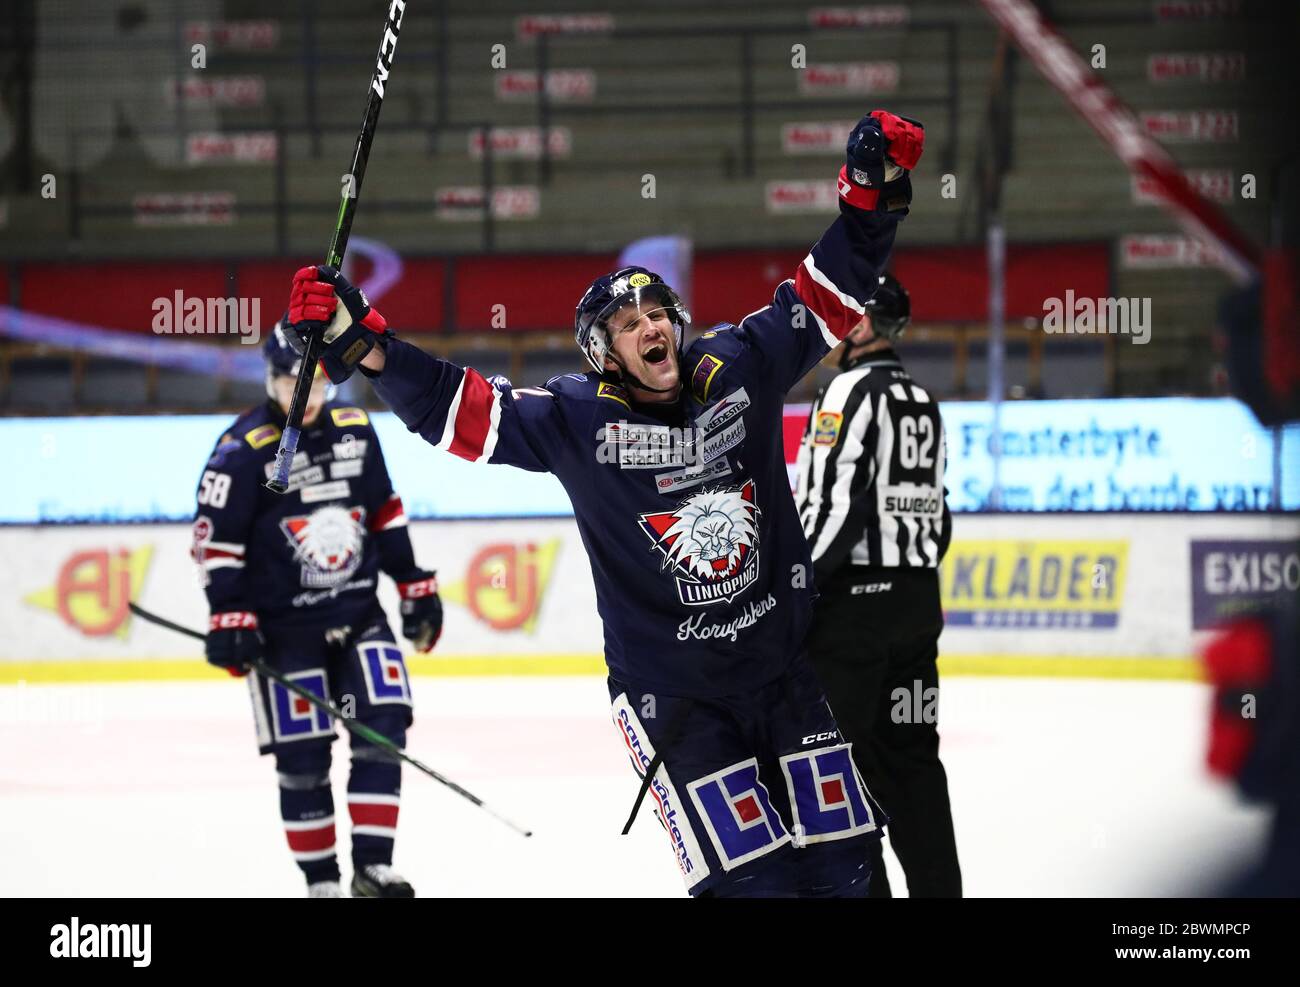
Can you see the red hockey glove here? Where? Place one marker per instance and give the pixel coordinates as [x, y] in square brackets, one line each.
[882, 149]
[350, 330]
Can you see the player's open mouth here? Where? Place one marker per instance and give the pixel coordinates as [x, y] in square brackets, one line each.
[656, 354]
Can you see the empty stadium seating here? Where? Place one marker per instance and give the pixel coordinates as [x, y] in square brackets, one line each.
[693, 95]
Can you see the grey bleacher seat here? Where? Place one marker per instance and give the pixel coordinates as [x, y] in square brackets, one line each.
[200, 392]
[930, 364]
[115, 384]
[40, 384]
[1015, 372]
[246, 393]
[1075, 370]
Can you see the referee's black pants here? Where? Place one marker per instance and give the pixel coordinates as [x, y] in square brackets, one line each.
[876, 631]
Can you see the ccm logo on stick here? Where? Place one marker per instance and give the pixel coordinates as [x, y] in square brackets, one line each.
[388, 46]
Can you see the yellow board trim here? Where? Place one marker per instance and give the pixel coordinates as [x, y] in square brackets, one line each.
[195, 669]
[1054, 666]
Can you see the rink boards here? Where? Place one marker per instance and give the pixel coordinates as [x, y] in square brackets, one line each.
[1101, 595]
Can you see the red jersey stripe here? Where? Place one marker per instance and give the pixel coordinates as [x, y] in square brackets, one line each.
[839, 318]
[474, 417]
[388, 513]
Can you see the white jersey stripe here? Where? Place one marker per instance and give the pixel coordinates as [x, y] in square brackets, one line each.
[222, 563]
[449, 429]
[494, 422]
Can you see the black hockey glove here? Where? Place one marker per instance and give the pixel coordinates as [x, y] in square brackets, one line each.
[233, 641]
[421, 609]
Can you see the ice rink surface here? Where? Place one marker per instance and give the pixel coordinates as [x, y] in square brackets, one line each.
[1059, 787]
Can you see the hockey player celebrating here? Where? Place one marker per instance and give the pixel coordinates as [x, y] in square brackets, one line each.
[292, 579]
[672, 457]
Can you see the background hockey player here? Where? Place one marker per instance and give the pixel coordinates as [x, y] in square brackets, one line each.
[871, 498]
[292, 579]
[672, 457]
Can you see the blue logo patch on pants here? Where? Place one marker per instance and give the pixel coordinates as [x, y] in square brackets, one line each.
[738, 814]
[826, 795]
[292, 716]
[385, 672]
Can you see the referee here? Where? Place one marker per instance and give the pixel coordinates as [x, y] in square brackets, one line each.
[872, 502]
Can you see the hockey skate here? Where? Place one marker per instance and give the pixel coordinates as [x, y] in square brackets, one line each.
[380, 881]
[325, 889]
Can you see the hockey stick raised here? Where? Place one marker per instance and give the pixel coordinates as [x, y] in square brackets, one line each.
[279, 479]
[349, 723]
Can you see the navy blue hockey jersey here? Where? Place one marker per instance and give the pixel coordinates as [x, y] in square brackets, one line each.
[311, 556]
[703, 576]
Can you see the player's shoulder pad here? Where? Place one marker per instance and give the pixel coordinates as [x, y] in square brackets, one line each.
[227, 447]
[242, 437]
[255, 429]
[706, 355]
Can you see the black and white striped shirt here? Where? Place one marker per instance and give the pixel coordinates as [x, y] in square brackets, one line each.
[871, 463]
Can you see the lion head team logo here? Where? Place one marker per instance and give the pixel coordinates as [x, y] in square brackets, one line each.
[711, 543]
[328, 542]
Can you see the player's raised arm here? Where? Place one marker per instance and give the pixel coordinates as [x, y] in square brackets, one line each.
[827, 297]
[453, 408]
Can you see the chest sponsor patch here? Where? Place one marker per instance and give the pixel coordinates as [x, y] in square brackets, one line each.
[350, 447]
[337, 490]
[301, 472]
[724, 412]
[709, 544]
[716, 443]
[345, 468]
[826, 428]
[667, 483]
[634, 445]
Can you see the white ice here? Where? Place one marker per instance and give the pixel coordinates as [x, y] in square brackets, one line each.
[1059, 788]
